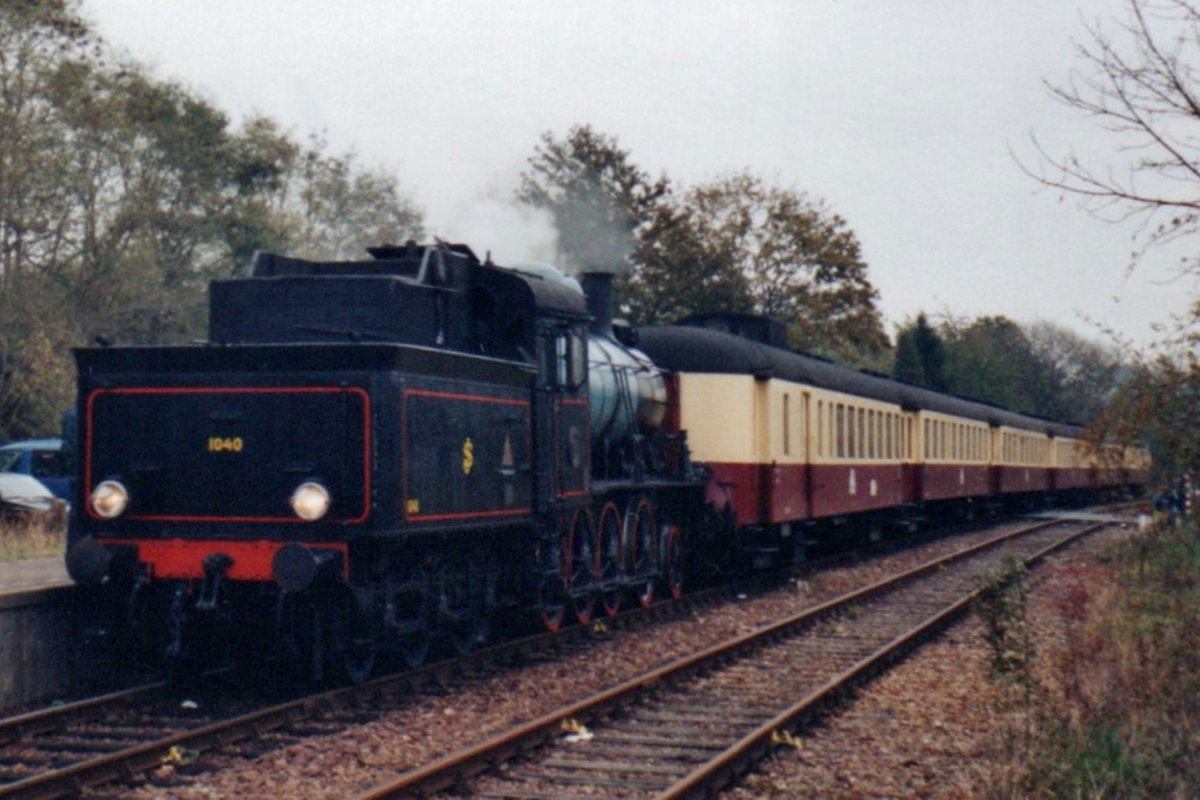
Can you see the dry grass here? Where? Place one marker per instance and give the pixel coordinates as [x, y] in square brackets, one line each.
[1122, 719]
[34, 534]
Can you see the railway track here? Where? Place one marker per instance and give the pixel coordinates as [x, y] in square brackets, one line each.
[60, 750]
[691, 726]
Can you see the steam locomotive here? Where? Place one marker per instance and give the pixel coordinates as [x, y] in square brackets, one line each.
[381, 455]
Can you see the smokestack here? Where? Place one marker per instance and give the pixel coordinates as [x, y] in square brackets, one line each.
[598, 289]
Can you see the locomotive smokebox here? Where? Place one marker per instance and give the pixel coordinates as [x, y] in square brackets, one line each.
[626, 391]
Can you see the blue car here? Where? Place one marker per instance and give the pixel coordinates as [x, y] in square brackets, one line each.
[41, 459]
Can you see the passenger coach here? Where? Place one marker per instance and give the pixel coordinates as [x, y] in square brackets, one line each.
[794, 439]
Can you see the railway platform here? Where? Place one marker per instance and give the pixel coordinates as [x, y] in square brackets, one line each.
[35, 630]
[27, 574]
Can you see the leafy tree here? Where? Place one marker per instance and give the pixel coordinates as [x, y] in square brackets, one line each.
[797, 262]
[906, 365]
[1159, 405]
[1041, 369]
[334, 209]
[1081, 374]
[920, 355]
[35, 37]
[991, 359]
[678, 272]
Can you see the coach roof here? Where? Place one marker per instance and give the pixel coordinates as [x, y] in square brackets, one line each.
[689, 349]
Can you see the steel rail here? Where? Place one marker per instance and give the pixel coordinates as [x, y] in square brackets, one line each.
[457, 767]
[734, 761]
[51, 718]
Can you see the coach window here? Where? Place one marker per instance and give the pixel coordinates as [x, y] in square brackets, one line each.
[840, 430]
[861, 452]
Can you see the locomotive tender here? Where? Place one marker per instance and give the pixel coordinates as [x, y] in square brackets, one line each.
[370, 455]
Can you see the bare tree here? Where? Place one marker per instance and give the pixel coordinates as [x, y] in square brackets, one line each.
[1140, 80]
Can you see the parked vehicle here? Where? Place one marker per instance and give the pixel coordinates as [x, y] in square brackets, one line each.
[41, 459]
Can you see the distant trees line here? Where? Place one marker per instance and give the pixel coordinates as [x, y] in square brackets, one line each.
[1040, 368]
[123, 194]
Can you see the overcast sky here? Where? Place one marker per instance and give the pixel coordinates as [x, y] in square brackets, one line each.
[899, 115]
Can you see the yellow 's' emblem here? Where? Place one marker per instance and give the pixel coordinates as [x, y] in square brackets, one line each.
[468, 454]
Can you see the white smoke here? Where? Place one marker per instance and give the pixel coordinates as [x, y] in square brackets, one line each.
[510, 232]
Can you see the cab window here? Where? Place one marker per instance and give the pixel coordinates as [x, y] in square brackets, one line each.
[564, 358]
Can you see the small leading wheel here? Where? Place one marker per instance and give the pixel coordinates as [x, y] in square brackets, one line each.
[608, 556]
[673, 561]
[638, 547]
[581, 565]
